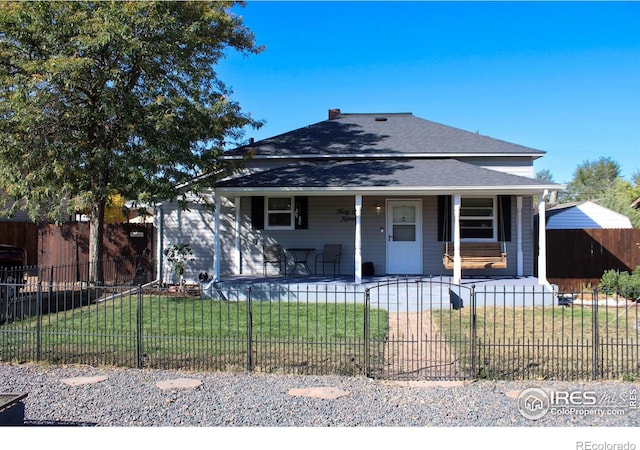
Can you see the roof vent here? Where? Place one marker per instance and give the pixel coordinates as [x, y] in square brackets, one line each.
[380, 119]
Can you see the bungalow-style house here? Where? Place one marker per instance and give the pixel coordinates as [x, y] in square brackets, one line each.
[393, 193]
[582, 215]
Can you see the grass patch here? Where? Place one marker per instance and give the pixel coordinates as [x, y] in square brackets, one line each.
[203, 334]
[549, 343]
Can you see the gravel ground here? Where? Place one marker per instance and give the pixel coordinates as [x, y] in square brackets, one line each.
[131, 398]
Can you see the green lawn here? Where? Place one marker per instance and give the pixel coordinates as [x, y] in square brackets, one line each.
[186, 332]
[538, 342]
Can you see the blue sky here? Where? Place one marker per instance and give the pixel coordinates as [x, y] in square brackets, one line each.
[563, 77]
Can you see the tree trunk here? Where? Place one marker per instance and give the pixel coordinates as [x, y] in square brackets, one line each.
[96, 247]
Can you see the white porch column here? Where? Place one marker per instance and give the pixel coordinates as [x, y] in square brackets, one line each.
[358, 241]
[216, 238]
[457, 260]
[520, 254]
[236, 254]
[159, 243]
[542, 240]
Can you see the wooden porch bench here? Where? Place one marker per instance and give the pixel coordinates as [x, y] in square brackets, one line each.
[476, 255]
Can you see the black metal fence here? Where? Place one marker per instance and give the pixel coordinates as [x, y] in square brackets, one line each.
[118, 271]
[397, 329]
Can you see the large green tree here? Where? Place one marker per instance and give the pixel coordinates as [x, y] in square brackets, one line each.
[591, 179]
[619, 197]
[600, 182]
[99, 98]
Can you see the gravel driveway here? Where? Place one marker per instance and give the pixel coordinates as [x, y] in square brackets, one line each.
[132, 398]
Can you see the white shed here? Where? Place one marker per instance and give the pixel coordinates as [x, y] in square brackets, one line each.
[582, 215]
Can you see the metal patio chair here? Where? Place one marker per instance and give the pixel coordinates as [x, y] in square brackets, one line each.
[330, 255]
[273, 254]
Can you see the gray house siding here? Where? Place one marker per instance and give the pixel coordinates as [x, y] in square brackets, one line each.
[374, 240]
[432, 247]
[194, 227]
[331, 221]
[514, 165]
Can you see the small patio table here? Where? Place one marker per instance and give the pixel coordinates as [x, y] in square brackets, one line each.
[300, 257]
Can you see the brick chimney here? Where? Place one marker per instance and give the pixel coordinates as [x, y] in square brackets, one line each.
[334, 114]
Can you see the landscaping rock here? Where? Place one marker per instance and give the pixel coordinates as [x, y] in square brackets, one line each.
[79, 381]
[179, 383]
[326, 393]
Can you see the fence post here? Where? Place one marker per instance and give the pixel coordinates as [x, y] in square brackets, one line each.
[50, 287]
[367, 346]
[595, 337]
[139, 327]
[250, 331]
[474, 334]
[39, 321]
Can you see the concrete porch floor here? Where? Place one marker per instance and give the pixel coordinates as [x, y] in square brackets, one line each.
[393, 293]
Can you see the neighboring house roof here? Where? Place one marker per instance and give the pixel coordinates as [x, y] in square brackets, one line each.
[5, 204]
[582, 215]
[388, 135]
[391, 174]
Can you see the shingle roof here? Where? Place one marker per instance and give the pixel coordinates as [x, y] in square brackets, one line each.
[381, 134]
[379, 173]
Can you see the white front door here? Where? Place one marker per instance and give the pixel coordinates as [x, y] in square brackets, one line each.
[404, 237]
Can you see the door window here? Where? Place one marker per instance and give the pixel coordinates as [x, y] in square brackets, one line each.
[404, 223]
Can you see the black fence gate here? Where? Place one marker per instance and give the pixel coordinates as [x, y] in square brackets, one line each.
[430, 330]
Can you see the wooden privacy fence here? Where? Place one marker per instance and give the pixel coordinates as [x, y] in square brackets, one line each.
[55, 245]
[579, 257]
[23, 235]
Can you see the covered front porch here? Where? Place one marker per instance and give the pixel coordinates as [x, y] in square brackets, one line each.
[401, 235]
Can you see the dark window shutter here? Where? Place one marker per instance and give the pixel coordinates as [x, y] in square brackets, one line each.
[301, 213]
[257, 213]
[504, 218]
[444, 217]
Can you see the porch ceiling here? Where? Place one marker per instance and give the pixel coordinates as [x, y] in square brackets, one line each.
[382, 175]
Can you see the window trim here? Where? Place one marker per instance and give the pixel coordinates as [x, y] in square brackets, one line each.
[494, 218]
[291, 212]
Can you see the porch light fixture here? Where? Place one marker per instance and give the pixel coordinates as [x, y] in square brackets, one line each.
[378, 209]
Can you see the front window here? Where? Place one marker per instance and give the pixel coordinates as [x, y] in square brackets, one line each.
[478, 218]
[279, 213]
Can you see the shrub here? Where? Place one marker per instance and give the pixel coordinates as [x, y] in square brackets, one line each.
[624, 283]
[609, 281]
